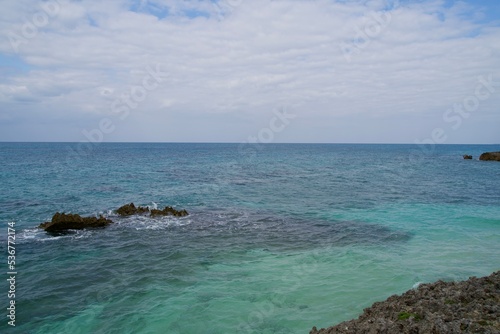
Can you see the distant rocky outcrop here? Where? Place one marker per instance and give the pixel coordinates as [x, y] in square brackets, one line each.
[467, 157]
[131, 209]
[471, 306]
[169, 211]
[490, 156]
[62, 222]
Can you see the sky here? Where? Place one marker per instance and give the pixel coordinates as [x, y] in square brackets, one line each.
[265, 71]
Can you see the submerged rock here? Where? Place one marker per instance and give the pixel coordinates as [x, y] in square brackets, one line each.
[62, 221]
[131, 209]
[470, 306]
[467, 157]
[490, 156]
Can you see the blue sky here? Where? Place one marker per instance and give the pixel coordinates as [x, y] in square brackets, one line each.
[219, 71]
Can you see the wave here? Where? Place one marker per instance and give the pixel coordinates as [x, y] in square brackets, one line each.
[151, 223]
[39, 235]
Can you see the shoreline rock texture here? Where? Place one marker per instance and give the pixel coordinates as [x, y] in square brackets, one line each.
[471, 306]
[490, 156]
[131, 209]
[61, 222]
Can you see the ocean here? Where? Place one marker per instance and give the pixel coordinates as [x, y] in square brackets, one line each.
[280, 237]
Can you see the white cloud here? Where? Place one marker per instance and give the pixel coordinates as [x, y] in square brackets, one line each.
[234, 67]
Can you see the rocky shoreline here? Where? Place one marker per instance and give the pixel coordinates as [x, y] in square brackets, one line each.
[471, 306]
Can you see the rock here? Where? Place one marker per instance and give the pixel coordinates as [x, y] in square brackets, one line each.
[470, 306]
[131, 209]
[491, 156]
[467, 157]
[62, 222]
[169, 211]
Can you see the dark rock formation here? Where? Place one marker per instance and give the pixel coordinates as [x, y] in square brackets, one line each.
[493, 156]
[131, 209]
[471, 306]
[169, 211]
[467, 157]
[62, 222]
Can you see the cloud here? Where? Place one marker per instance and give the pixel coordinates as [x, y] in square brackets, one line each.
[351, 71]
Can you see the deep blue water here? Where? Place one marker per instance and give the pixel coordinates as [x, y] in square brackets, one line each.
[280, 237]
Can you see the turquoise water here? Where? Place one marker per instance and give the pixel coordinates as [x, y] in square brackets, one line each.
[279, 238]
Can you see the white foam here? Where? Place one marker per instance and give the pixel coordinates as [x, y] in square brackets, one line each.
[37, 234]
[31, 233]
[157, 223]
